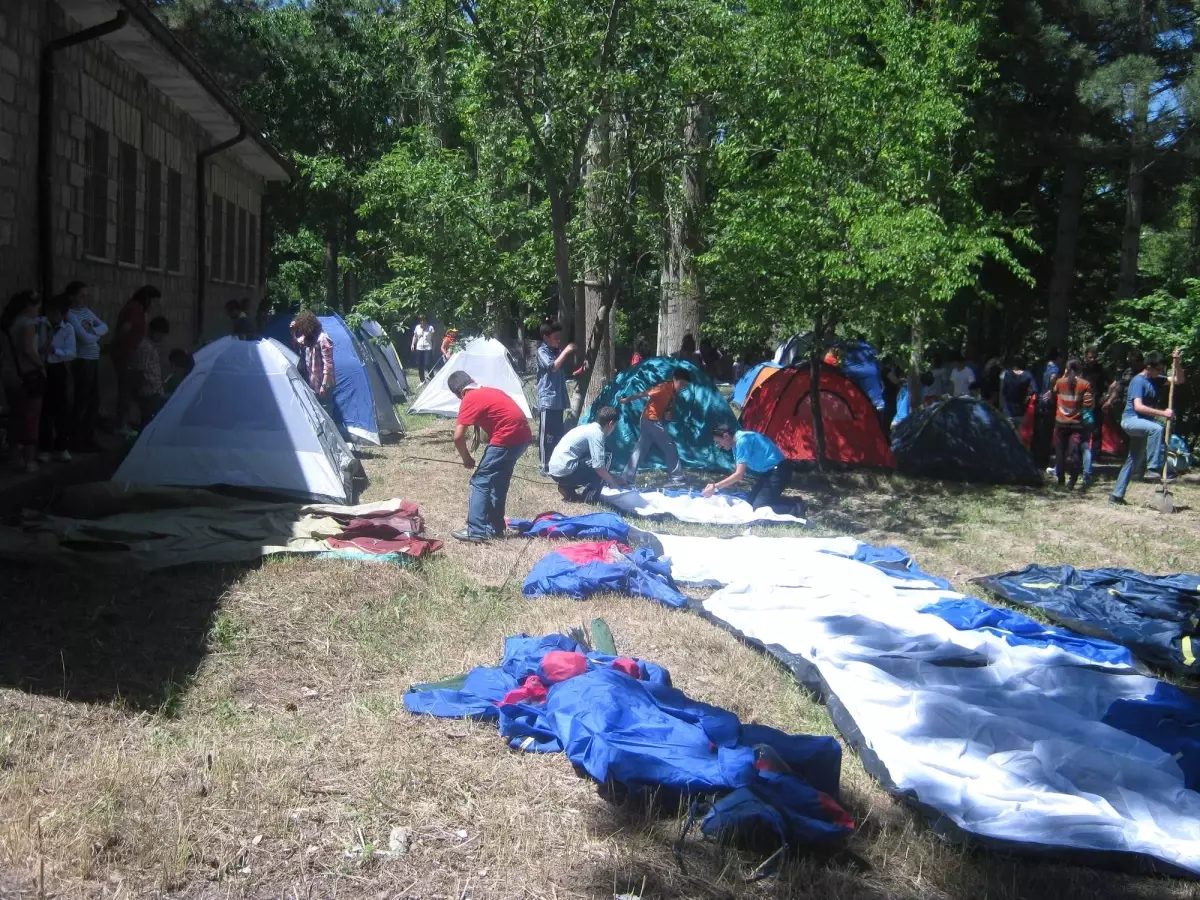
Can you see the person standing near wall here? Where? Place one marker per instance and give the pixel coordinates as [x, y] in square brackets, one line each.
[130, 332]
[55, 432]
[20, 325]
[85, 368]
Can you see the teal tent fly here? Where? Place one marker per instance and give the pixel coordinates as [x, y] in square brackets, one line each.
[698, 409]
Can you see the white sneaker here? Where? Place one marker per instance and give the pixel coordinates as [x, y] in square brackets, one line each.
[43, 457]
[65, 456]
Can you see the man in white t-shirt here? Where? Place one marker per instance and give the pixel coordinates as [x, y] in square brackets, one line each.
[580, 460]
[422, 345]
[961, 378]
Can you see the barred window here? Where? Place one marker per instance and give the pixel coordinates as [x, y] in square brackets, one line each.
[95, 192]
[252, 253]
[174, 219]
[243, 246]
[127, 172]
[152, 254]
[230, 241]
[218, 238]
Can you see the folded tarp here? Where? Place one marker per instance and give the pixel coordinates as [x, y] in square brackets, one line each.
[607, 526]
[691, 506]
[621, 722]
[580, 570]
[1016, 734]
[1156, 616]
[156, 528]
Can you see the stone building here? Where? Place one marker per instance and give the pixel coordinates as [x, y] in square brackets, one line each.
[123, 163]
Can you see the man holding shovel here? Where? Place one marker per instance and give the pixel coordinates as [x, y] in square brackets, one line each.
[1141, 422]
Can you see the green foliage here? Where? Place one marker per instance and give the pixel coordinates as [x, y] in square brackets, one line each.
[1159, 321]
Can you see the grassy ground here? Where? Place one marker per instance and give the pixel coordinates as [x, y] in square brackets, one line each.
[239, 731]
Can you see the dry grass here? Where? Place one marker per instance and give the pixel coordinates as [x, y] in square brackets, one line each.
[239, 731]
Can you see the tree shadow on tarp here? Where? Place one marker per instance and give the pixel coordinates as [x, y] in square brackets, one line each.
[108, 634]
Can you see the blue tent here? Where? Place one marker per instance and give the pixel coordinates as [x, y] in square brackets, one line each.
[698, 409]
[962, 439]
[360, 400]
[741, 390]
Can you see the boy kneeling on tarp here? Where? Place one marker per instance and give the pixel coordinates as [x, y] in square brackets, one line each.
[758, 454]
[580, 461]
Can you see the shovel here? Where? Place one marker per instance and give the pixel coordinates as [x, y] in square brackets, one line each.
[1163, 499]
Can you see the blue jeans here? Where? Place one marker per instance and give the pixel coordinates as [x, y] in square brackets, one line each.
[582, 476]
[489, 490]
[1145, 443]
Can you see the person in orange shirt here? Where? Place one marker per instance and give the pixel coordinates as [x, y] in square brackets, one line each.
[654, 434]
[1072, 397]
[448, 344]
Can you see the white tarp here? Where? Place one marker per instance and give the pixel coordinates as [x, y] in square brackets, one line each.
[243, 417]
[720, 560]
[720, 509]
[1003, 736]
[486, 361]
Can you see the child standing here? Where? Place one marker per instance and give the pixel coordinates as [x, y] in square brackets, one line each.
[653, 433]
[422, 346]
[85, 368]
[55, 427]
[147, 370]
[552, 391]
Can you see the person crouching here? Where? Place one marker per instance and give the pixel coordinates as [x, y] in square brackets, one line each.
[508, 436]
[580, 462]
[756, 453]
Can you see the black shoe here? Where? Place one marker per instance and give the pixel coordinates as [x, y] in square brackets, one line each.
[463, 535]
[570, 494]
[1071, 482]
[1117, 501]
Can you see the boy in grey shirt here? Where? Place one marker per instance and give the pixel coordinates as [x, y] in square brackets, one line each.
[552, 390]
[581, 462]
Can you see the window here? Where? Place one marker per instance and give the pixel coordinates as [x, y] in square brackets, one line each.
[174, 218]
[252, 252]
[95, 192]
[152, 254]
[127, 171]
[230, 241]
[243, 246]
[218, 238]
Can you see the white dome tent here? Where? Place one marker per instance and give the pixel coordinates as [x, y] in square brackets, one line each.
[244, 418]
[486, 361]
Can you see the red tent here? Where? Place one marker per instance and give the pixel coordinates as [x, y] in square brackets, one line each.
[781, 408]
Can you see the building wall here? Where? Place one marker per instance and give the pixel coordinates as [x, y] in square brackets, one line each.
[104, 189]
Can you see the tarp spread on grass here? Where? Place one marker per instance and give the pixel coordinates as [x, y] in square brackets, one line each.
[1156, 616]
[1019, 735]
[620, 721]
[156, 528]
[691, 506]
[580, 570]
[596, 526]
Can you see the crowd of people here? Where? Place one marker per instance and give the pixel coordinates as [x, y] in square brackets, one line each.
[50, 358]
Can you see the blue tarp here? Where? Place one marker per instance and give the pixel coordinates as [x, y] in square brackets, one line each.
[353, 404]
[594, 526]
[644, 735]
[1156, 616]
[741, 390]
[580, 570]
[962, 439]
[698, 409]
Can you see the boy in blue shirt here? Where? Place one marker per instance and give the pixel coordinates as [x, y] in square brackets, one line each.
[552, 390]
[1138, 420]
[758, 454]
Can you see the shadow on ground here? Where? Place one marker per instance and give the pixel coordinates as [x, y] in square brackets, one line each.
[108, 636]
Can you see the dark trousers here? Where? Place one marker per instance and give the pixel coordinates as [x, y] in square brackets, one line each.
[582, 476]
[550, 432]
[424, 362]
[1068, 451]
[55, 426]
[768, 490]
[86, 375]
[489, 490]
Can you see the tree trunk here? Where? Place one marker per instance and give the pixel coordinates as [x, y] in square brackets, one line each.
[559, 220]
[350, 280]
[1135, 187]
[332, 282]
[814, 392]
[1062, 279]
[916, 363]
[597, 283]
[681, 291]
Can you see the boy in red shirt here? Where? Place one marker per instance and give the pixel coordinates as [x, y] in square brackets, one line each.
[508, 436]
